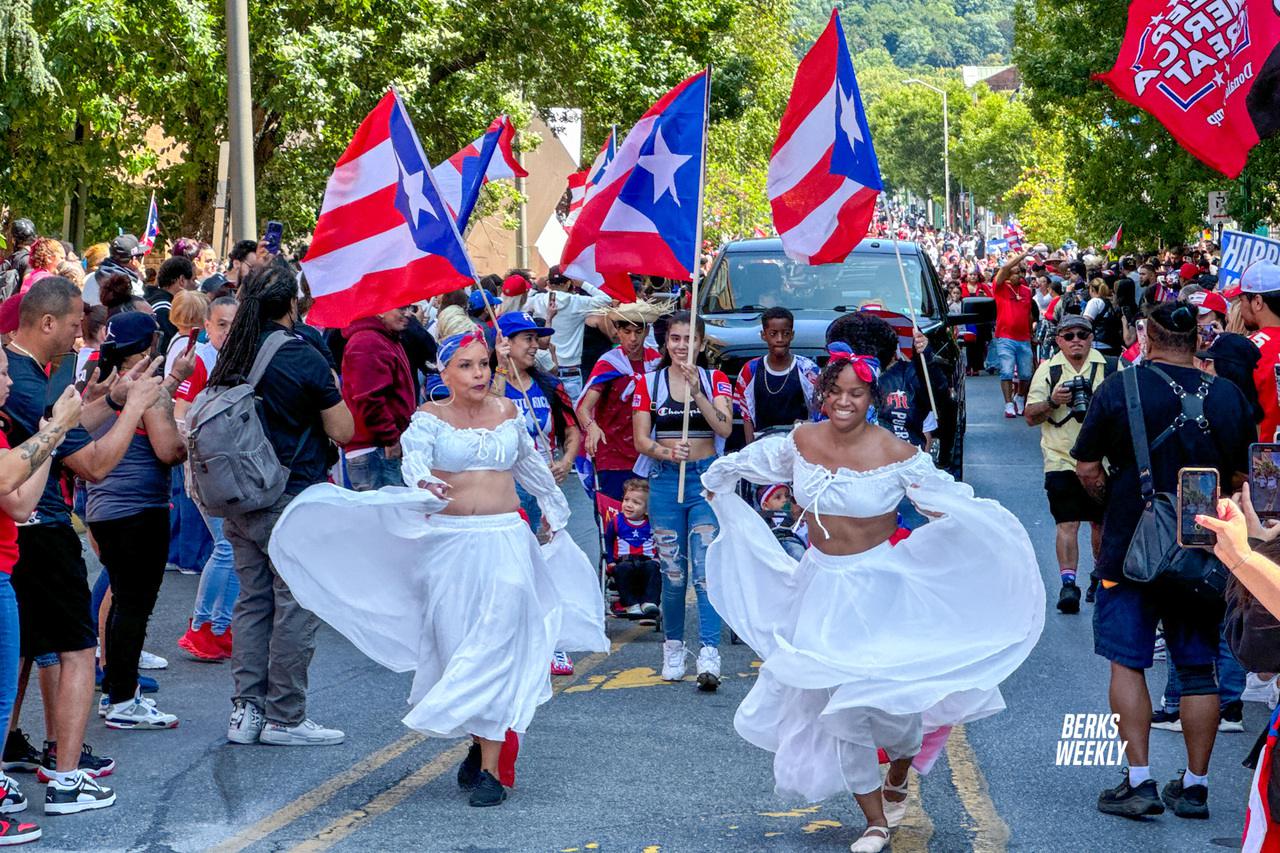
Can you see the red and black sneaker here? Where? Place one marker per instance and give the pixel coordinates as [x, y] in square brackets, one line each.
[17, 832]
[96, 766]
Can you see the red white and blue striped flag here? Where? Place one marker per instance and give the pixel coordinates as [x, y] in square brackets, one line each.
[384, 237]
[152, 229]
[823, 175]
[581, 184]
[642, 217]
[461, 176]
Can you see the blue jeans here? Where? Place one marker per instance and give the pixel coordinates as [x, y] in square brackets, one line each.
[189, 542]
[373, 470]
[219, 585]
[694, 525]
[1231, 678]
[1013, 354]
[9, 648]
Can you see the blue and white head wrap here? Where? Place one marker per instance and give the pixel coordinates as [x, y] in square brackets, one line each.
[449, 346]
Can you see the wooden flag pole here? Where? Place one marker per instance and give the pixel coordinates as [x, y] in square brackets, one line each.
[697, 278]
[915, 327]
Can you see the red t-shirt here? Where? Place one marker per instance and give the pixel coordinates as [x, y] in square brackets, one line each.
[1264, 379]
[199, 377]
[613, 414]
[8, 530]
[1013, 315]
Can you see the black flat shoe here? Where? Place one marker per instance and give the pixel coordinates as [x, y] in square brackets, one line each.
[488, 791]
[1131, 802]
[469, 769]
[1189, 802]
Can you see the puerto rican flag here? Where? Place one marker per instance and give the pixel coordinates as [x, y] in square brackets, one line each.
[1114, 241]
[1013, 235]
[582, 183]
[643, 216]
[385, 237]
[901, 324]
[614, 364]
[152, 229]
[823, 175]
[461, 176]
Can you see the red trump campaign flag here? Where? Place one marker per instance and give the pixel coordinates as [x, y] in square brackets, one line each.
[385, 236]
[1208, 71]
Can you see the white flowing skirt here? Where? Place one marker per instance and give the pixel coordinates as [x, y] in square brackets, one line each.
[870, 650]
[471, 604]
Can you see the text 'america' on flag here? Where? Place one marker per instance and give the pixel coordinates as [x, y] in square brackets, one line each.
[461, 176]
[642, 217]
[384, 237]
[823, 177]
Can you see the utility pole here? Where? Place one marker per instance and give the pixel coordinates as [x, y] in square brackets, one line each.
[244, 216]
[946, 143]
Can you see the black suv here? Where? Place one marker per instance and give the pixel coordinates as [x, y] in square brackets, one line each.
[749, 276]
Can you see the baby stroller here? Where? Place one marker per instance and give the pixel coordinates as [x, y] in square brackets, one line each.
[605, 509]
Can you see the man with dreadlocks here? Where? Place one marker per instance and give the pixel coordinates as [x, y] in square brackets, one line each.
[301, 408]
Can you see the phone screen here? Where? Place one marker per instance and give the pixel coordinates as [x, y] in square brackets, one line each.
[1264, 479]
[275, 230]
[1197, 495]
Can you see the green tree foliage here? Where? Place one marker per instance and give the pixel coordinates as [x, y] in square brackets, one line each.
[934, 33]
[1044, 195]
[124, 67]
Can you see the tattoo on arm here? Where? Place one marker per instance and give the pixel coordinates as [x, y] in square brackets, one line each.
[720, 416]
[36, 450]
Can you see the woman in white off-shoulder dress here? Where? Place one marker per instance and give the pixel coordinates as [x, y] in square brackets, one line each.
[866, 644]
[444, 578]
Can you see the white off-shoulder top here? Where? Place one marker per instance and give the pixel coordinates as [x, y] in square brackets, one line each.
[430, 444]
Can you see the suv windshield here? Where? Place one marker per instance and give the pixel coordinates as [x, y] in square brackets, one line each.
[753, 281]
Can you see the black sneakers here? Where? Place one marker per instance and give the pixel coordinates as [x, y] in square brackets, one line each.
[469, 769]
[11, 797]
[80, 793]
[1069, 598]
[1092, 592]
[19, 754]
[1231, 717]
[488, 791]
[17, 832]
[94, 765]
[1127, 801]
[1191, 802]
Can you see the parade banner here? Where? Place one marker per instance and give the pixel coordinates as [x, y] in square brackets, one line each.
[1207, 71]
[1240, 251]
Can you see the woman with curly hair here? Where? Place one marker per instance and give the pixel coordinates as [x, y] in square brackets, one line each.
[867, 644]
[46, 254]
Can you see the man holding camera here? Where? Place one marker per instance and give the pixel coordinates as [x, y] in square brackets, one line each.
[1056, 402]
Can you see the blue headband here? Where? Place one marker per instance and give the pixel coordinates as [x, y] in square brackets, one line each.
[449, 346]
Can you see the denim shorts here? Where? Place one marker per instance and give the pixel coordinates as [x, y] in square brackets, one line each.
[1011, 354]
[1125, 617]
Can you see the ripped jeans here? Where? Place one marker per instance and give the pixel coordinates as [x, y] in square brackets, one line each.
[694, 524]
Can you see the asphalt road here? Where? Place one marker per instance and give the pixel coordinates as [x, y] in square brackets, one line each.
[619, 761]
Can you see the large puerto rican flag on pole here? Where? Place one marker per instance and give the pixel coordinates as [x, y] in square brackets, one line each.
[642, 217]
[462, 175]
[385, 237]
[823, 175]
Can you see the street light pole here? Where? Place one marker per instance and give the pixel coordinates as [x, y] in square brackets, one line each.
[946, 143]
[244, 217]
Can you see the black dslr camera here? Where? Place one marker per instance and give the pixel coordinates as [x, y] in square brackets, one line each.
[1081, 393]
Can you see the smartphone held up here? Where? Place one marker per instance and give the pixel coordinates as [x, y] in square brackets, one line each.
[1197, 495]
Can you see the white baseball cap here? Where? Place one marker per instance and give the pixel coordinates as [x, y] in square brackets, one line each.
[1261, 277]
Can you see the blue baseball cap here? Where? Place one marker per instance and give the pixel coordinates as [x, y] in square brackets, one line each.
[478, 297]
[514, 322]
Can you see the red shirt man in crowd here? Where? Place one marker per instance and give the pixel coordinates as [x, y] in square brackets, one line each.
[1260, 310]
[377, 384]
[1012, 342]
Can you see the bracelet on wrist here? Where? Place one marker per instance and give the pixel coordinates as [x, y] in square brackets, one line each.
[1241, 562]
[113, 405]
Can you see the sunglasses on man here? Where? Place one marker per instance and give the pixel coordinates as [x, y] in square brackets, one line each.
[1076, 336]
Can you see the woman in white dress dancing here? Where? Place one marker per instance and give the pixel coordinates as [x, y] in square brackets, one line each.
[444, 578]
[866, 644]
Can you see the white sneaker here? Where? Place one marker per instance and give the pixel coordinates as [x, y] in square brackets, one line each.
[138, 714]
[1010, 411]
[104, 704]
[673, 663]
[708, 668]
[246, 723]
[634, 612]
[146, 660]
[1258, 690]
[80, 793]
[1019, 404]
[305, 733]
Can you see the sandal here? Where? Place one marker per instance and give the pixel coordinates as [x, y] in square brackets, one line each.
[873, 840]
[894, 811]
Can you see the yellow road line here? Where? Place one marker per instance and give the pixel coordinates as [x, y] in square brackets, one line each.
[348, 823]
[316, 797]
[913, 834]
[990, 832]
